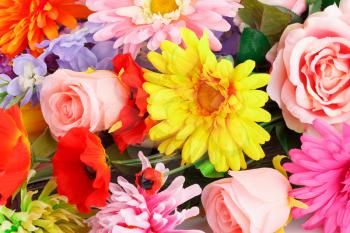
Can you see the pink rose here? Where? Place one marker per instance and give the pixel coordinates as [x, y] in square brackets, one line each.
[79, 99]
[310, 69]
[297, 6]
[252, 201]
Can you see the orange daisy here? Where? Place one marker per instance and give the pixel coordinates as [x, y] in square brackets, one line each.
[25, 23]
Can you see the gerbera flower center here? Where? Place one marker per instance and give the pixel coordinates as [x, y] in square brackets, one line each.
[90, 172]
[209, 98]
[163, 6]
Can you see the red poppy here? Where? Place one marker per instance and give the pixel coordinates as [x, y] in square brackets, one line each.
[150, 180]
[81, 169]
[134, 119]
[15, 155]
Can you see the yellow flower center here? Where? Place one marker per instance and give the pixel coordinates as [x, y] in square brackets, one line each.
[209, 98]
[163, 6]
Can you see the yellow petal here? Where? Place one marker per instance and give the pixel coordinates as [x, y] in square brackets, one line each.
[115, 127]
[276, 161]
[157, 61]
[243, 70]
[254, 81]
[255, 98]
[189, 37]
[255, 114]
[196, 145]
[163, 130]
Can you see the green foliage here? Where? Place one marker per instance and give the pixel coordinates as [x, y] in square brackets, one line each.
[287, 138]
[270, 20]
[253, 45]
[44, 146]
[207, 169]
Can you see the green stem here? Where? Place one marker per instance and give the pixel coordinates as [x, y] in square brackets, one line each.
[153, 159]
[179, 169]
[273, 120]
[41, 160]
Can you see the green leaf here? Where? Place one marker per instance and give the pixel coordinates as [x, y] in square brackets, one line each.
[207, 169]
[253, 45]
[314, 6]
[326, 3]
[44, 146]
[287, 138]
[270, 20]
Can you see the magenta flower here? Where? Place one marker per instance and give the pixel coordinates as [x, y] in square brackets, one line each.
[136, 22]
[132, 211]
[322, 169]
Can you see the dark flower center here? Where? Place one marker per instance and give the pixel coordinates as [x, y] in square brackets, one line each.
[90, 172]
[145, 183]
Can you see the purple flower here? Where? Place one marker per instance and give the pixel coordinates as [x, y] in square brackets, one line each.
[5, 66]
[30, 73]
[78, 51]
[230, 40]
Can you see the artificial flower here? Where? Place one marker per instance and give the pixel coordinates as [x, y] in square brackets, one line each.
[133, 122]
[320, 169]
[26, 86]
[137, 22]
[150, 180]
[204, 105]
[310, 69]
[5, 65]
[230, 40]
[25, 23]
[91, 99]
[78, 51]
[251, 201]
[131, 210]
[49, 213]
[15, 155]
[81, 169]
[33, 120]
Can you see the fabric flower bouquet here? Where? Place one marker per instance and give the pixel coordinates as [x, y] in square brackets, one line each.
[133, 116]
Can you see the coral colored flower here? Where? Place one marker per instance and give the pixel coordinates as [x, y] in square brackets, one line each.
[131, 210]
[251, 201]
[133, 120]
[72, 99]
[321, 170]
[206, 105]
[15, 155]
[311, 68]
[26, 23]
[153, 21]
[81, 169]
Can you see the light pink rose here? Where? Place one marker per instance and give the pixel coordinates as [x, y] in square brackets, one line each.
[310, 69]
[252, 201]
[79, 99]
[297, 6]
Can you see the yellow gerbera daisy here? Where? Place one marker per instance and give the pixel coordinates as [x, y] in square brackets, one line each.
[204, 105]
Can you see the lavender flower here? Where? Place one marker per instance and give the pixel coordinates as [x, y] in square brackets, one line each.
[78, 51]
[30, 73]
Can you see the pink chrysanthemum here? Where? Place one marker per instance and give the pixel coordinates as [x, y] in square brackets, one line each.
[131, 210]
[134, 22]
[322, 169]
